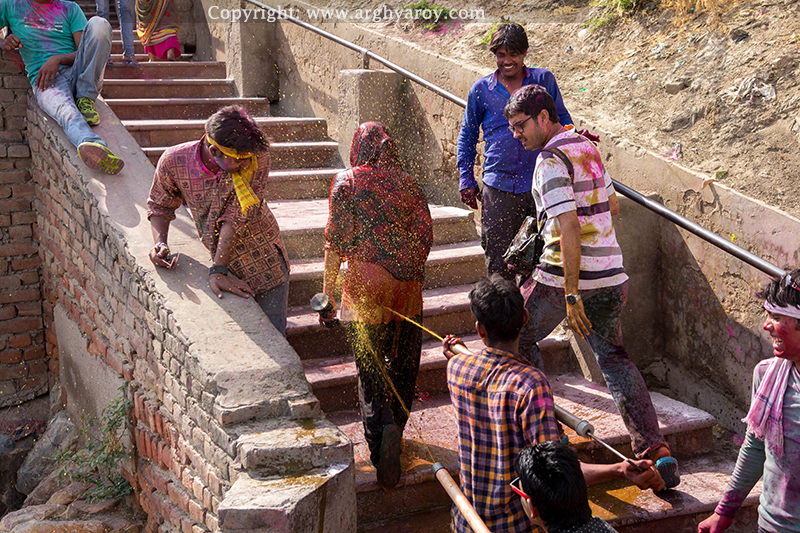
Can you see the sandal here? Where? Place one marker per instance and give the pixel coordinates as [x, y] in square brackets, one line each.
[109, 63]
[131, 62]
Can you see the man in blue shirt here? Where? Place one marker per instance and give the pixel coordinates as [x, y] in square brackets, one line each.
[64, 57]
[508, 168]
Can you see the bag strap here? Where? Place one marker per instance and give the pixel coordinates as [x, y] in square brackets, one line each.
[564, 159]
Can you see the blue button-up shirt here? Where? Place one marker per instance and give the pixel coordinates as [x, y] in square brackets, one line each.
[507, 165]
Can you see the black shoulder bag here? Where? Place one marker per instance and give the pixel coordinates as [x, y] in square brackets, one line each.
[527, 245]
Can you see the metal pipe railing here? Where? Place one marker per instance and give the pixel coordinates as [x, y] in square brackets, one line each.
[659, 209]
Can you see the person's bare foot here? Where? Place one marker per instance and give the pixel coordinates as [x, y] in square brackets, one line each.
[171, 54]
[151, 56]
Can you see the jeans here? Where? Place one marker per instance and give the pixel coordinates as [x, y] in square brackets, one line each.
[502, 213]
[275, 302]
[603, 308]
[83, 79]
[127, 21]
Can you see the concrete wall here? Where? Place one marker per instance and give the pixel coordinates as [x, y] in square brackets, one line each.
[247, 47]
[227, 435]
[23, 358]
[691, 323]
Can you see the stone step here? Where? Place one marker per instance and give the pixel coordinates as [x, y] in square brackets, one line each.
[299, 184]
[283, 155]
[334, 379]
[448, 264]
[153, 70]
[444, 311]
[177, 108]
[116, 34]
[155, 133]
[432, 429]
[303, 222]
[141, 57]
[189, 88]
[625, 507]
[138, 47]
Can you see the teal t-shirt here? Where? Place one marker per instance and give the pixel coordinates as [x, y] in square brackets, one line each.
[45, 30]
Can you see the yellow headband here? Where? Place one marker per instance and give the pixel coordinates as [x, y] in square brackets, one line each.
[230, 152]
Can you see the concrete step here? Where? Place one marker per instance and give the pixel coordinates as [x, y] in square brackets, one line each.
[626, 508]
[444, 311]
[432, 430]
[155, 132]
[283, 155]
[334, 379]
[138, 47]
[116, 34]
[299, 184]
[303, 223]
[448, 264]
[189, 88]
[177, 108]
[141, 57]
[153, 70]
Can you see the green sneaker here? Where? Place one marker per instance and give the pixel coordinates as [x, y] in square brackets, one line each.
[86, 107]
[99, 157]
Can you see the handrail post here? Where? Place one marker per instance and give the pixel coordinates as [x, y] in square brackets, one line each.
[365, 60]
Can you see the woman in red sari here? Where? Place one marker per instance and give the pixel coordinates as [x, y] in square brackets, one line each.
[379, 222]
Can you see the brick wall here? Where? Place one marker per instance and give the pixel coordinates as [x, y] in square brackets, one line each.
[110, 316]
[23, 357]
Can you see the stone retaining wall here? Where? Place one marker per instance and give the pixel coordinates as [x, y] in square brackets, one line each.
[24, 359]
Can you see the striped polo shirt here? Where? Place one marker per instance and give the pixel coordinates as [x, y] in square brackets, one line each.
[555, 193]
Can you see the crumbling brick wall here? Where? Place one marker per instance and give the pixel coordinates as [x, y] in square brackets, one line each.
[24, 359]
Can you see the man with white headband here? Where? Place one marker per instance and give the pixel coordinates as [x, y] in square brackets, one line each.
[222, 179]
[772, 446]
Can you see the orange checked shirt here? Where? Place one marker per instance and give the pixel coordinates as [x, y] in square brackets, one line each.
[502, 404]
[181, 178]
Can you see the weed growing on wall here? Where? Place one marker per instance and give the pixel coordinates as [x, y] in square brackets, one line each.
[98, 462]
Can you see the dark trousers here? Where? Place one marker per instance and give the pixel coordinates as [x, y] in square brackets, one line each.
[502, 213]
[603, 308]
[387, 356]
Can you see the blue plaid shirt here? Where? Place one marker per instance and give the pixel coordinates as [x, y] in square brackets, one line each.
[502, 404]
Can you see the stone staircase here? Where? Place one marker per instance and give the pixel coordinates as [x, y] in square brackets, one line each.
[166, 103]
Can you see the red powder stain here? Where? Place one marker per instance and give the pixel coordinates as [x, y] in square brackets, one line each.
[424, 397]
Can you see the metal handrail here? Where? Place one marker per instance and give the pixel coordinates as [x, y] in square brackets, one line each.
[710, 237]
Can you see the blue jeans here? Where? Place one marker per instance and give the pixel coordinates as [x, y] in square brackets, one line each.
[275, 302]
[603, 308]
[127, 21]
[83, 79]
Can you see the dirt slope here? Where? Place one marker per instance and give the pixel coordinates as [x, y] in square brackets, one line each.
[717, 90]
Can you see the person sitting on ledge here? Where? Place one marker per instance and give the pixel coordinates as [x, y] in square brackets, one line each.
[65, 57]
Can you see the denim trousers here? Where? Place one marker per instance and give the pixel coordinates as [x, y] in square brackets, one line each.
[127, 21]
[502, 213]
[603, 308]
[83, 79]
[275, 302]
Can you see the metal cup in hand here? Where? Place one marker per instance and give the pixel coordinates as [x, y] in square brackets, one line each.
[323, 305]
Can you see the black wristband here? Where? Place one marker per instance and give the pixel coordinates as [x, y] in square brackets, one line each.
[218, 269]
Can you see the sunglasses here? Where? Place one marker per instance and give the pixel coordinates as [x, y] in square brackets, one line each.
[518, 126]
[519, 491]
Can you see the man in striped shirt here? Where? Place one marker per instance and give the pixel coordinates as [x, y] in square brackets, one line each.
[580, 274]
[502, 405]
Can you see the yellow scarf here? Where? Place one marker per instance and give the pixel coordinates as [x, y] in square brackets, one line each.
[241, 180]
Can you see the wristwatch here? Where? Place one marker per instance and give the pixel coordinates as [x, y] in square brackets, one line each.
[572, 299]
